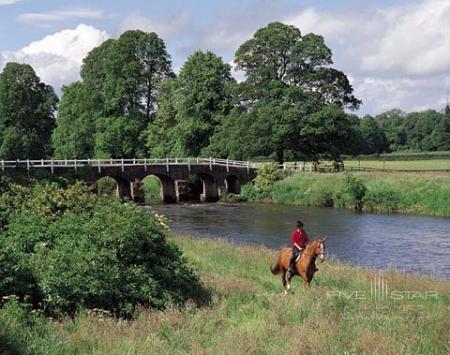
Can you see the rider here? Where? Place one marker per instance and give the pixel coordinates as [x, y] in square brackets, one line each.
[299, 239]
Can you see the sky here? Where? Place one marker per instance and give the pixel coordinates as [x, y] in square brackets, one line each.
[395, 53]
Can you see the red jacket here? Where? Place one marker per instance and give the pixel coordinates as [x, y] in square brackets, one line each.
[300, 237]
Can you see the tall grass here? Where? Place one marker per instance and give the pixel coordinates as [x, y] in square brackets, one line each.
[249, 314]
[408, 193]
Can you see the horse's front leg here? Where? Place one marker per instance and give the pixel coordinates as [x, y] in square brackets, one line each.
[289, 281]
[283, 280]
[306, 282]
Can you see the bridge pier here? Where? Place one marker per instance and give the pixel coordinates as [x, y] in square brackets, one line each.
[168, 190]
[210, 190]
[137, 191]
[182, 190]
[123, 189]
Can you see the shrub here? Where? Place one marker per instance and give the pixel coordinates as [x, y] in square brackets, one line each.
[356, 189]
[382, 199]
[248, 192]
[230, 197]
[267, 175]
[65, 250]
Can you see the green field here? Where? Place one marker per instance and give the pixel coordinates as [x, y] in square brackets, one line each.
[435, 164]
[249, 314]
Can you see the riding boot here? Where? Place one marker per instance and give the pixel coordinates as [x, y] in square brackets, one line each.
[291, 267]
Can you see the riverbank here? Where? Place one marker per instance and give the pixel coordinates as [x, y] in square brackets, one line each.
[249, 314]
[427, 194]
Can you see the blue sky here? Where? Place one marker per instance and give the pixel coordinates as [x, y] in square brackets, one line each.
[396, 53]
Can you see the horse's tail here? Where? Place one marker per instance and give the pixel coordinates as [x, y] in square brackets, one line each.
[276, 269]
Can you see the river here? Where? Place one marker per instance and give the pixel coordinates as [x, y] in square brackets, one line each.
[408, 243]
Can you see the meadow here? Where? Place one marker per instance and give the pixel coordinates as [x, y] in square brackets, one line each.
[424, 165]
[248, 314]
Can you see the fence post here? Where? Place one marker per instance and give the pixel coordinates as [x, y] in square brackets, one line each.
[145, 164]
[228, 165]
[167, 164]
[210, 163]
[75, 164]
[189, 164]
[248, 167]
[3, 165]
[99, 166]
[123, 166]
[28, 164]
[51, 166]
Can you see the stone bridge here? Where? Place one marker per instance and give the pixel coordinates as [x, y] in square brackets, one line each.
[181, 179]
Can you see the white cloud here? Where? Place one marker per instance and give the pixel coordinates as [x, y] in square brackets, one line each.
[8, 2]
[180, 24]
[57, 58]
[396, 57]
[48, 19]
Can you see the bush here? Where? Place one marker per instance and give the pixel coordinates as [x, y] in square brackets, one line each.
[267, 175]
[356, 189]
[248, 192]
[230, 197]
[65, 250]
[382, 199]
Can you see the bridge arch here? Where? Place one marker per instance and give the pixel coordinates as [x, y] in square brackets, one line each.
[122, 189]
[232, 184]
[167, 187]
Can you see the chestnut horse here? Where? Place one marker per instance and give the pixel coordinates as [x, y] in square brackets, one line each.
[305, 267]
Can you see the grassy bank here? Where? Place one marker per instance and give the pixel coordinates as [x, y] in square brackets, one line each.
[386, 192]
[248, 314]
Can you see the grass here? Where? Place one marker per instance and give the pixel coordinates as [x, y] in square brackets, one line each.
[248, 314]
[386, 192]
[434, 164]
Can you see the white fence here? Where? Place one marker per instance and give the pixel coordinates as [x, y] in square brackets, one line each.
[104, 163]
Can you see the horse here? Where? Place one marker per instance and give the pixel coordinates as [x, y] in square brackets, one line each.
[305, 267]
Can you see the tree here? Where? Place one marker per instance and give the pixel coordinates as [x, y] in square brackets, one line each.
[27, 108]
[73, 136]
[288, 78]
[373, 139]
[392, 123]
[107, 113]
[191, 106]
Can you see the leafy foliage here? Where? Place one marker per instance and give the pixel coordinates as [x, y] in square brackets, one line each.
[63, 250]
[191, 106]
[288, 81]
[267, 175]
[27, 108]
[115, 101]
[356, 189]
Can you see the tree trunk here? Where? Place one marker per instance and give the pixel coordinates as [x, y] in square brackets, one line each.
[280, 155]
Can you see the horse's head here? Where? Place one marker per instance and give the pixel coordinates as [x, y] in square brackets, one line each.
[320, 249]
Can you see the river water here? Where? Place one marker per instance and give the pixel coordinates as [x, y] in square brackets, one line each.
[408, 243]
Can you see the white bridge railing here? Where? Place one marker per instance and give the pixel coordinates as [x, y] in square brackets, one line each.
[104, 163]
